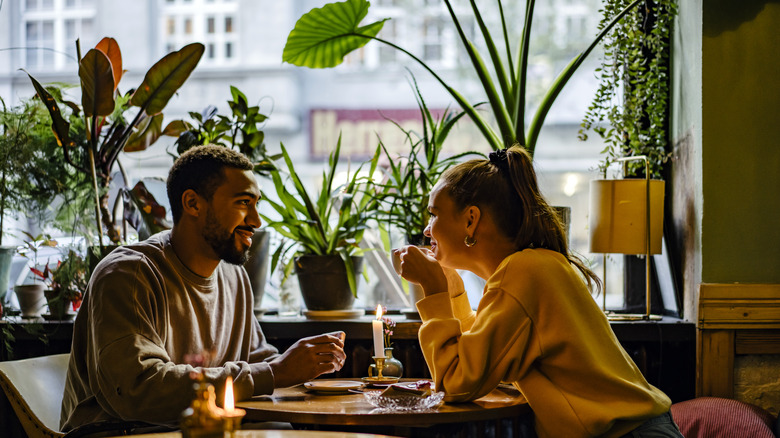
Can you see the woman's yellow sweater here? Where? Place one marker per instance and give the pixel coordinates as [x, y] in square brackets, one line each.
[538, 327]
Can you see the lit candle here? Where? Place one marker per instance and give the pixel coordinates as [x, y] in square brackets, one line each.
[232, 416]
[379, 339]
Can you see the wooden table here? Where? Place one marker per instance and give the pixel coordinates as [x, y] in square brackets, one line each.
[273, 434]
[501, 410]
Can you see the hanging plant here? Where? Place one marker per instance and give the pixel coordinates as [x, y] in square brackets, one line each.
[631, 106]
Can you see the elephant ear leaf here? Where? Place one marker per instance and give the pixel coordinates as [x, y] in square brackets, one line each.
[165, 78]
[110, 48]
[324, 36]
[97, 84]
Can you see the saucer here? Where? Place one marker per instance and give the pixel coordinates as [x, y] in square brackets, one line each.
[334, 314]
[332, 386]
[65, 317]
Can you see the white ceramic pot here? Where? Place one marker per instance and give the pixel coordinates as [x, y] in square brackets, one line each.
[31, 299]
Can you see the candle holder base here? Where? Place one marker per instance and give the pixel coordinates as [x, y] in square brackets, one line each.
[383, 380]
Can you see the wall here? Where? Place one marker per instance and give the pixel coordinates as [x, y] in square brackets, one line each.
[686, 127]
[725, 203]
[740, 160]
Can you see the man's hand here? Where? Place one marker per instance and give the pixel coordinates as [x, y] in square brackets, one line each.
[309, 358]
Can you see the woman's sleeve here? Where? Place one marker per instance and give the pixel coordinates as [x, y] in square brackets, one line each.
[467, 364]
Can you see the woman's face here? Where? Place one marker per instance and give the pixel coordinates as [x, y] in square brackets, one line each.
[446, 229]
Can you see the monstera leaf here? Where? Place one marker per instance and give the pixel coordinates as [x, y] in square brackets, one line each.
[97, 84]
[323, 36]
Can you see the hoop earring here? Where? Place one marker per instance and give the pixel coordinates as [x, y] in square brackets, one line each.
[470, 241]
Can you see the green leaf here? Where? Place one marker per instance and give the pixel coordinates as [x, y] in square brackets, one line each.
[324, 36]
[59, 125]
[563, 78]
[97, 84]
[165, 78]
[146, 133]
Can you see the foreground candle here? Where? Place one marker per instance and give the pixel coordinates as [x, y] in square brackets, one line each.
[232, 416]
[379, 339]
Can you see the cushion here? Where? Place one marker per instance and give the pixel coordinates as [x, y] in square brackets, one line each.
[714, 417]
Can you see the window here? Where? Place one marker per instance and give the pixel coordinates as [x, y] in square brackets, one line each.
[210, 22]
[40, 38]
[49, 31]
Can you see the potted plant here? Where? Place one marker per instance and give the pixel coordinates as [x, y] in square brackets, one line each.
[403, 194]
[29, 183]
[324, 232]
[14, 162]
[241, 130]
[323, 36]
[30, 292]
[106, 112]
[68, 282]
[409, 178]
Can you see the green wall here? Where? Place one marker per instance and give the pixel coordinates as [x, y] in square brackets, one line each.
[740, 228]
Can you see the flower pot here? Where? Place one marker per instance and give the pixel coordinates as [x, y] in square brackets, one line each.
[323, 281]
[59, 308]
[6, 258]
[31, 299]
[257, 267]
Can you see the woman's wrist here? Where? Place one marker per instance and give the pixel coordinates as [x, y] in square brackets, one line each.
[436, 285]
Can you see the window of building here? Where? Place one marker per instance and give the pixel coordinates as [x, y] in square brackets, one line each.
[210, 22]
[49, 31]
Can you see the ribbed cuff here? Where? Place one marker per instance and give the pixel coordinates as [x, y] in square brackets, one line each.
[263, 378]
[435, 306]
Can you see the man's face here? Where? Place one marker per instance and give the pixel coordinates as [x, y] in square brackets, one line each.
[231, 216]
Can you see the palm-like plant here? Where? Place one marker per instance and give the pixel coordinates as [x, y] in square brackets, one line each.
[331, 223]
[104, 108]
[323, 36]
[409, 179]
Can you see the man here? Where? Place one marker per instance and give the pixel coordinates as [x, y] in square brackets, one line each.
[152, 304]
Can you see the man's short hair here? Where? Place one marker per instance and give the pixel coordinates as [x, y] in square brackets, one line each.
[200, 169]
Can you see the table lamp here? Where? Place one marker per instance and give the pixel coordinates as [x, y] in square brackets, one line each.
[620, 211]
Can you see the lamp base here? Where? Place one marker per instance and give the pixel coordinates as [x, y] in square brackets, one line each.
[611, 316]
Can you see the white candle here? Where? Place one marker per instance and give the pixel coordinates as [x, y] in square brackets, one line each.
[379, 339]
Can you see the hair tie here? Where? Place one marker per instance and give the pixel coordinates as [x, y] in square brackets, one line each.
[499, 159]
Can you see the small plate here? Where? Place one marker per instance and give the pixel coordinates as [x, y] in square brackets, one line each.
[332, 386]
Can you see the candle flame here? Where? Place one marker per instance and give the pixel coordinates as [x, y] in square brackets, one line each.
[378, 311]
[229, 402]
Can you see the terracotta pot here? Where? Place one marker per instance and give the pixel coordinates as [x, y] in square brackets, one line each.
[323, 281]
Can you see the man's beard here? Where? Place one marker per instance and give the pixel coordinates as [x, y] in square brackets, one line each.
[223, 242]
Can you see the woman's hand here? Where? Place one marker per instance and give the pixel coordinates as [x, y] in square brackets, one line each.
[418, 265]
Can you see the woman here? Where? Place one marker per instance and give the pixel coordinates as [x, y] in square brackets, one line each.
[537, 325]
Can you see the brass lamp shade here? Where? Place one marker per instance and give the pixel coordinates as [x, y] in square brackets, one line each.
[618, 214]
